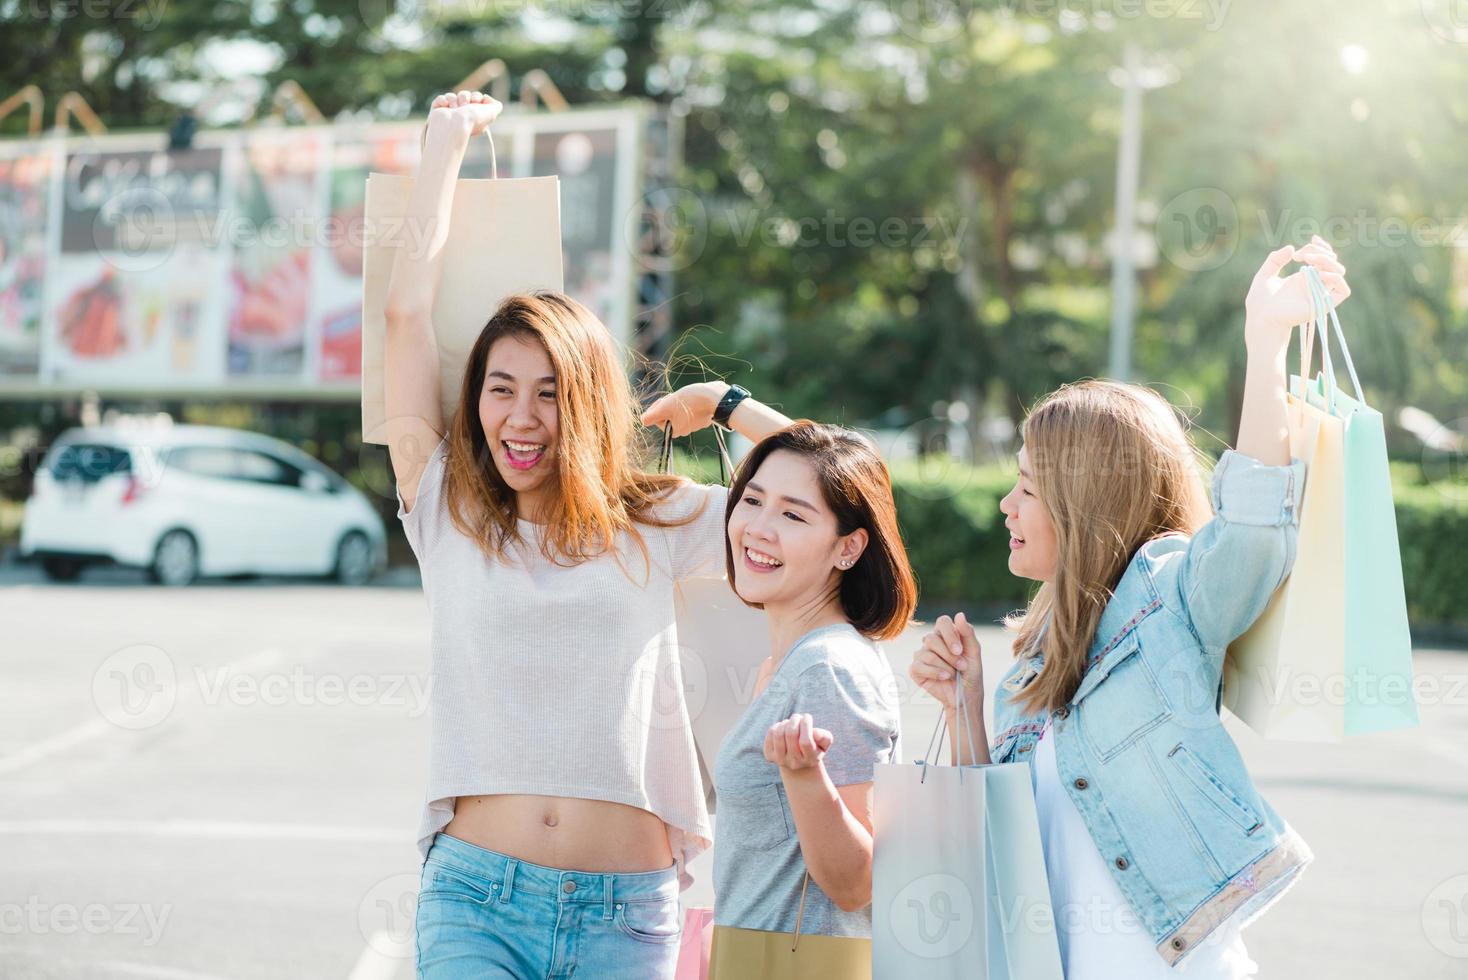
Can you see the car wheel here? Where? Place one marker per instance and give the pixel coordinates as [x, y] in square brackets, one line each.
[353, 559]
[175, 560]
[61, 569]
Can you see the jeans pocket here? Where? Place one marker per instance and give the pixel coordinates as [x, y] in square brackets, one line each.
[444, 882]
[650, 921]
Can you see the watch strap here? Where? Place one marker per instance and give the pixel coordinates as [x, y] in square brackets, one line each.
[728, 403]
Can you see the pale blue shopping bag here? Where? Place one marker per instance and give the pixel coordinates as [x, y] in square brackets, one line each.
[959, 890]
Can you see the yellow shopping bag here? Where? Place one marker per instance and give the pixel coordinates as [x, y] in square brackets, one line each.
[1279, 675]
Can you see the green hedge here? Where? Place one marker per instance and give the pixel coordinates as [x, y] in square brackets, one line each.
[1432, 526]
[960, 551]
[955, 532]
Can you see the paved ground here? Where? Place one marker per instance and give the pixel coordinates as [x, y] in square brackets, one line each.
[224, 782]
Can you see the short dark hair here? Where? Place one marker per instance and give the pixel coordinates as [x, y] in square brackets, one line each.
[878, 593]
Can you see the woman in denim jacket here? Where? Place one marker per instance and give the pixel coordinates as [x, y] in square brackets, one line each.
[1158, 847]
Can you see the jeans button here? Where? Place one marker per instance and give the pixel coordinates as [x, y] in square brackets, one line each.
[1081, 782]
[1063, 711]
[569, 887]
[1121, 863]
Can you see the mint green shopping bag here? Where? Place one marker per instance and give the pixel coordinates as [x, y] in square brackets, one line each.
[1378, 654]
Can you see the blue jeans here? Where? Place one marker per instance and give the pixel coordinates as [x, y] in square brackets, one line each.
[483, 914]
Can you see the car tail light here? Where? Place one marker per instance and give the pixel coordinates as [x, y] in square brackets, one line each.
[134, 490]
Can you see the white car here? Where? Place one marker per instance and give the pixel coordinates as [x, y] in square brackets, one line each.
[187, 501]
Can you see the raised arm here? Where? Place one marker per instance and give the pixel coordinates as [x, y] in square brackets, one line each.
[1272, 310]
[1236, 561]
[691, 408]
[411, 387]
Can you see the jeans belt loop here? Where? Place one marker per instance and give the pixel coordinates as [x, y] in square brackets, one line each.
[510, 867]
[606, 897]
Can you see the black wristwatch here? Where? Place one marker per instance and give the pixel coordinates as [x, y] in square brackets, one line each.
[728, 403]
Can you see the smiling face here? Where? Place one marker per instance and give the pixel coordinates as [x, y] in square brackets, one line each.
[1032, 549]
[787, 547]
[519, 413]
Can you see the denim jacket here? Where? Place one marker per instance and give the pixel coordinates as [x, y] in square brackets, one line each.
[1141, 749]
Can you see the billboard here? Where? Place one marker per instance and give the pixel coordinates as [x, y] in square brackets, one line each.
[268, 283]
[234, 268]
[25, 185]
[133, 286]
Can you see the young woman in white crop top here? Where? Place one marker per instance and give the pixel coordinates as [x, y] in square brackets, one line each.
[564, 798]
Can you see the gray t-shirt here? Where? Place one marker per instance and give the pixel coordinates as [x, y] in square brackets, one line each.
[844, 682]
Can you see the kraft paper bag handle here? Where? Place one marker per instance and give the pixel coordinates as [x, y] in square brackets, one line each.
[494, 167]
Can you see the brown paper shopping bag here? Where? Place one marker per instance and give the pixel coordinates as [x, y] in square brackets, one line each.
[721, 641]
[504, 238]
[754, 954]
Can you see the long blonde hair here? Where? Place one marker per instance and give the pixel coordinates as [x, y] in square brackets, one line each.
[1114, 467]
[602, 489]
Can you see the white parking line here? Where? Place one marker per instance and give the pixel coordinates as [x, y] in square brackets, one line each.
[54, 744]
[208, 829]
[149, 970]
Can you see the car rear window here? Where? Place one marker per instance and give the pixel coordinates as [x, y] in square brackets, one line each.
[89, 462]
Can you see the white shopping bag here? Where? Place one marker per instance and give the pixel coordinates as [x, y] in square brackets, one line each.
[959, 889]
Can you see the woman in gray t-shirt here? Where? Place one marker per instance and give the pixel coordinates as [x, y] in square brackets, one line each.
[813, 540]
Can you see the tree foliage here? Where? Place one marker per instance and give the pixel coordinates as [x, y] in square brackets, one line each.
[907, 204]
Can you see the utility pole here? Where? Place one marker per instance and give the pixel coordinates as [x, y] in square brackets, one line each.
[1123, 255]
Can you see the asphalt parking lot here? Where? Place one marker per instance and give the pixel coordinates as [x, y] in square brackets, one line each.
[224, 781]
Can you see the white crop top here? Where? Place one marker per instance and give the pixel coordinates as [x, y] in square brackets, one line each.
[562, 681]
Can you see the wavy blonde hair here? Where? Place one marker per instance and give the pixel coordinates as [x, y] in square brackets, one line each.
[602, 488]
[1114, 468]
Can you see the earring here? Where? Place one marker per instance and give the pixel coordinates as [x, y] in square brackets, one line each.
[845, 563]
